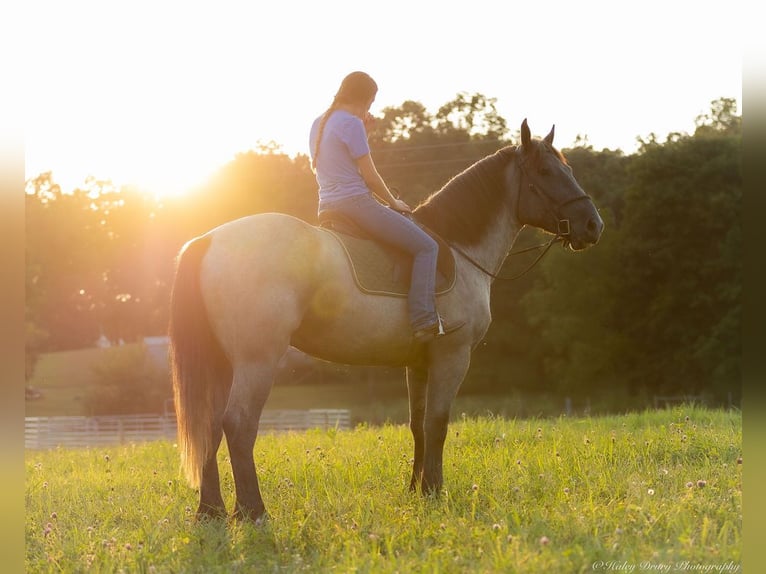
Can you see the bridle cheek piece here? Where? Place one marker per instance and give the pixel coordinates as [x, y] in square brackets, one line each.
[563, 227]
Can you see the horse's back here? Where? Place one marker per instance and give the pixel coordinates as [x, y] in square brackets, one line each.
[258, 273]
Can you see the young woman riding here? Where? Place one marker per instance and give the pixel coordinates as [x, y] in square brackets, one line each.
[349, 183]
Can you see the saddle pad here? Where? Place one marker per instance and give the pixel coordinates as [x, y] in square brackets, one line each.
[384, 270]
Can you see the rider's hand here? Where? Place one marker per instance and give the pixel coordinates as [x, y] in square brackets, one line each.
[369, 122]
[400, 205]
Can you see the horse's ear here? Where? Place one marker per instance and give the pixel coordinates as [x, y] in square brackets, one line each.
[549, 138]
[525, 135]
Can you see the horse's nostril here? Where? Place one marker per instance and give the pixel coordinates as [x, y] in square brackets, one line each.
[593, 227]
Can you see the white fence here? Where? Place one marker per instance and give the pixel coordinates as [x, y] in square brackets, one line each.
[51, 432]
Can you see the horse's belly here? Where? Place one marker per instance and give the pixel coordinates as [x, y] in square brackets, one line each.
[369, 330]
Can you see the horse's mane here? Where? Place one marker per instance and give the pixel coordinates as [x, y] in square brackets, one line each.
[462, 210]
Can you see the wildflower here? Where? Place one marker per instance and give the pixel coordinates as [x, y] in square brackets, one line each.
[48, 529]
[509, 538]
[618, 530]
[106, 457]
[45, 484]
[128, 546]
[689, 484]
[496, 527]
[650, 492]
[170, 483]
[739, 460]
[54, 516]
[544, 541]
[701, 483]
[566, 490]
[442, 526]
[475, 487]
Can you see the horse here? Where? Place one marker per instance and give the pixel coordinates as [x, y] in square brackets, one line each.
[246, 291]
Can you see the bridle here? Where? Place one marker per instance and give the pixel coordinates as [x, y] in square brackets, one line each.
[563, 230]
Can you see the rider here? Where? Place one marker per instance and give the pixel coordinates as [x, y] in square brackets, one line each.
[349, 183]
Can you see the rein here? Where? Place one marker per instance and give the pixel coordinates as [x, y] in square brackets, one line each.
[545, 246]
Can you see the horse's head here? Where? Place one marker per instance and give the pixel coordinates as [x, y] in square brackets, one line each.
[549, 196]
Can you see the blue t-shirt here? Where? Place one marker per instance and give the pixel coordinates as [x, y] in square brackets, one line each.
[344, 140]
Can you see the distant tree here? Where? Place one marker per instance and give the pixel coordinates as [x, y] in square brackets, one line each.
[261, 181]
[418, 152]
[722, 119]
[128, 380]
[472, 115]
[682, 265]
[656, 307]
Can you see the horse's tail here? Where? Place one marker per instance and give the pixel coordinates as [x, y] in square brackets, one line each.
[200, 370]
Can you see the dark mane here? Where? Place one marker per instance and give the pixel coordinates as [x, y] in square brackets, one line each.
[462, 210]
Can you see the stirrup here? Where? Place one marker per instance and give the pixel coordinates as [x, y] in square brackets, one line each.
[428, 333]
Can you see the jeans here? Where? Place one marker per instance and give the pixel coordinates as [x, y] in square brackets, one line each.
[389, 226]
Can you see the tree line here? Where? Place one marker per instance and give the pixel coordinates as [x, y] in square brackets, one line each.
[655, 308]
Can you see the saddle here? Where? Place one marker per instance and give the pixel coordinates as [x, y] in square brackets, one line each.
[379, 268]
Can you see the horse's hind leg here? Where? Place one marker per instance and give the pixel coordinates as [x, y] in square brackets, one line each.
[210, 501]
[250, 389]
[416, 387]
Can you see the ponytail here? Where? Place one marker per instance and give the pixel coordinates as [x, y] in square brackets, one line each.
[320, 132]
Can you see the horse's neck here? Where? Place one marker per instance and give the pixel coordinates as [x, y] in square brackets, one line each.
[498, 239]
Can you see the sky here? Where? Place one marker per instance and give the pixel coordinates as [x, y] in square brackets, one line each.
[162, 94]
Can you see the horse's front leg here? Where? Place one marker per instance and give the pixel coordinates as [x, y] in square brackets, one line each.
[416, 387]
[250, 389]
[446, 372]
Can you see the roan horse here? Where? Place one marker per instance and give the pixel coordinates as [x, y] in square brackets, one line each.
[250, 288]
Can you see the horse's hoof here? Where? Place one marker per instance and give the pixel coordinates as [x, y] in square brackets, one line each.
[256, 517]
[210, 513]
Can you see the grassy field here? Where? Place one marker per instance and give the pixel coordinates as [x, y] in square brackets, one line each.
[652, 490]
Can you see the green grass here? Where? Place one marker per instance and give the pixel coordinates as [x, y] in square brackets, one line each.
[555, 495]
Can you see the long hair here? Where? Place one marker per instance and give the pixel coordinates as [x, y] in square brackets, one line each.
[356, 88]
